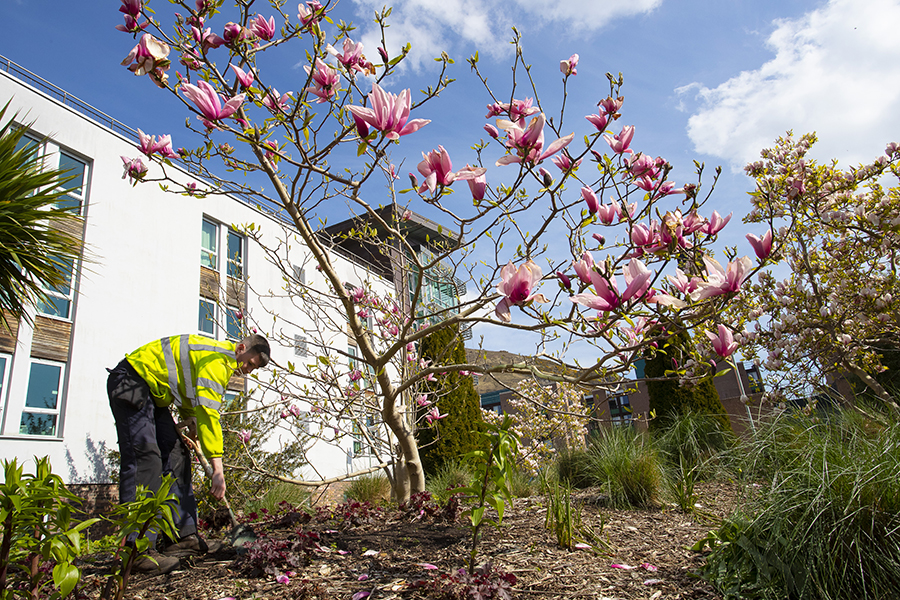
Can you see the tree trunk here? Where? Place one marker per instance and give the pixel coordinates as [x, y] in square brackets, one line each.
[409, 476]
[873, 385]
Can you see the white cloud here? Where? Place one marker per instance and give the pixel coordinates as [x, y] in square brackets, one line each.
[467, 25]
[836, 71]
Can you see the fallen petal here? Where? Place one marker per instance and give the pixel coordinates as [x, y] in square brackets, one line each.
[618, 566]
[428, 566]
[581, 546]
[370, 553]
[360, 595]
[362, 577]
[652, 581]
[648, 566]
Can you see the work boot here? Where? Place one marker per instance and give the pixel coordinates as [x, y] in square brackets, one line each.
[190, 545]
[154, 563]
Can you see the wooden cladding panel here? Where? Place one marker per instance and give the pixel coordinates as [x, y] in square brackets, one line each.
[209, 283]
[236, 384]
[73, 227]
[51, 339]
[235, 292]
[8, 338]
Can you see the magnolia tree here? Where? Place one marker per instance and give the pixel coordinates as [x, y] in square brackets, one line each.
[546, 418]
[836, 312]
[609, 281]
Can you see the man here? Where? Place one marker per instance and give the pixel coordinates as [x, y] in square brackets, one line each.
[190, 372]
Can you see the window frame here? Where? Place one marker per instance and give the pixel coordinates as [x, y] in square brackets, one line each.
[361, 446]
[213, 318]
[60, 399]
[211, 255]
[4, 382]
[44, 309]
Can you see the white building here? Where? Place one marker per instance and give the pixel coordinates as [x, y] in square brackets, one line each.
[162, 264]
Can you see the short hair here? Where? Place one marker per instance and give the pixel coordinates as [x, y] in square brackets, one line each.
[257, 343]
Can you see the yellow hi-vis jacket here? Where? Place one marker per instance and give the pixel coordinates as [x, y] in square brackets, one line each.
[192, 372]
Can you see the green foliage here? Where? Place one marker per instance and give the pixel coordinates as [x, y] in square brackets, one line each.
[148, 511]
[374, 488]
[276, 494]
[493, 468]
[36, 252]
[827, 523]
[36, 521]
[690, 445]
[248, 485]
[668, 398]
[456, 434]
[620, 460]
[450, 475]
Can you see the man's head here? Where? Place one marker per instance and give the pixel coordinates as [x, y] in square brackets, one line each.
[252, 353]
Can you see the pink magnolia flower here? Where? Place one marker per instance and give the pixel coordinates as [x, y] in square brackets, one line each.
[132, 8]
[683, 283]
[716, 223]
[437, 169]
[584, 267]
[567, 67]
[310, 14]
[519, 109]
[294, 410]
[355, 375]
[612, 105]
[261, 28]
[599, 121]
[132, 11]
[149, 56]
[722, 281]
[692, 222]
[606, 296]
[642, 165]
[564, 279]
[325, 80]
[517, 287]
[245, 79]
[526, 143]
[234, 33]
[149, 145]
[609, 213]
[761, 246]
[723, 344]
[619, 143]
[389, 114]
[206, 38]
[434, 415]
[209, 103]
[492, 131]
[244, 435]
[477, 184]
[591, 198]
[352, 57]
[422, 400]
[276, 103]
[135, 169]
[565, 162]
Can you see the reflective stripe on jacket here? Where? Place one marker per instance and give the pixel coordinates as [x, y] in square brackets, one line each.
[192, 372]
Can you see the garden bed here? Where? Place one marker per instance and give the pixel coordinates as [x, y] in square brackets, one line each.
[392, 555]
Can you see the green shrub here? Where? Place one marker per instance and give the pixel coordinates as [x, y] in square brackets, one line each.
[278, 492]
[827, 524]
[374, 488]
[621, 461]
[451, 474]
[522, 484]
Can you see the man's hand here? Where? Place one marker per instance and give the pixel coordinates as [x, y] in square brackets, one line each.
[218, 479]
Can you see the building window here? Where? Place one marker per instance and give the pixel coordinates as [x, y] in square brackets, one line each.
[207, 323]
[620, 409]
[60, 297]
[5, 362]
[209, 238]
[756, 383]
[233, 329]
[74, 189]
[235, 255]
[300, 346]
[299, 279]
[43, 399]
[361, 438]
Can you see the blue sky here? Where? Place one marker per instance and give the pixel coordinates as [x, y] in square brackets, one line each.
[707, 80]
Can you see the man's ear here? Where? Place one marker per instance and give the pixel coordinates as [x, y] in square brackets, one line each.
[240, 348]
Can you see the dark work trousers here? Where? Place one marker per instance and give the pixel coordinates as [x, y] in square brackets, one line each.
[150, 446]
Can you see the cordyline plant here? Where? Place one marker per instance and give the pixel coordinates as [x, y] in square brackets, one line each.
[326, 139]
[835, 313]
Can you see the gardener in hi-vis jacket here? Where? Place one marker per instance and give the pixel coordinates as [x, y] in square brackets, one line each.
[190, 372]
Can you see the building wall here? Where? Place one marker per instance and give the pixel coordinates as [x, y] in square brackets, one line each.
[142, 282]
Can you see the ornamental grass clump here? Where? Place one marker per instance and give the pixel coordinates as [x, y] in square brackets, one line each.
[373, 488]
[621, 461]
[827, 523]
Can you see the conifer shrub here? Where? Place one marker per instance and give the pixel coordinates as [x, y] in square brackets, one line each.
[454, 394]
[669, 399]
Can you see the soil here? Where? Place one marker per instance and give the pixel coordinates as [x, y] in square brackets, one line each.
[392, 557]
